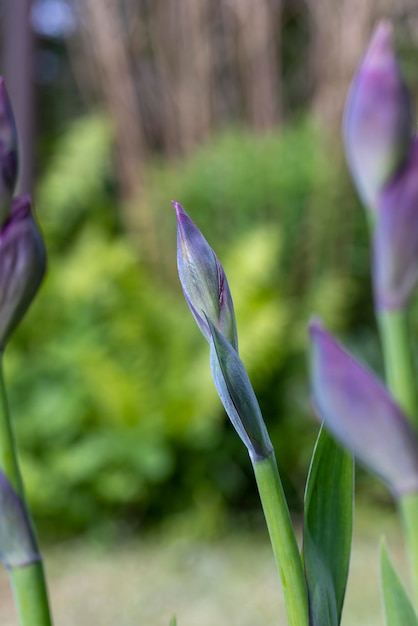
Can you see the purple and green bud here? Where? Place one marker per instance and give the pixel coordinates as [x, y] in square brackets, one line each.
[18, 546]
[8, 153]
[395, 238]
[360, 413]
[237, 395]
[378, 119]
[22, 265]
[203, 280]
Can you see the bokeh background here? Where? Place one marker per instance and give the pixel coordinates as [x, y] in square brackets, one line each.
[233, 108]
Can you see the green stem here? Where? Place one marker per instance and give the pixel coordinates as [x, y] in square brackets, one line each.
[399, 362]
[401, 380]
[31, 598]
[8, 457]
[27, 581]
[408, 506]
[283, 540]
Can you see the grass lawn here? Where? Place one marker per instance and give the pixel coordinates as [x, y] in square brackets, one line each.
[230, 582]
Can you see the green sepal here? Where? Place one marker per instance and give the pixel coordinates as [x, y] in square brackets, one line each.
[328, 527]
[17, 541]
[237, 395]
[397, 607]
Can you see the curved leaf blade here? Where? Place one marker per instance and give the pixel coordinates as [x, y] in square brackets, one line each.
[328, 526]
[397, 607]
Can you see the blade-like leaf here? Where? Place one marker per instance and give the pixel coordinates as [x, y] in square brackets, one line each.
[173, 621]
[328, 524]
[397, 606]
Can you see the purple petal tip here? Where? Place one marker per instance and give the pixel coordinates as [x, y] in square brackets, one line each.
[178, 208]
[316, 326]
[381, 40]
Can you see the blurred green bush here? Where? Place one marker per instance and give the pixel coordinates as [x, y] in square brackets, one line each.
[115, 411]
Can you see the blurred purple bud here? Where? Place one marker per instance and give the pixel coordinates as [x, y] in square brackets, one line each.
[22, 265]
[360, 413]
[203, 280]
[237, 395]
[395, 237]
[17, 540]
[378, 119]
[8, 153]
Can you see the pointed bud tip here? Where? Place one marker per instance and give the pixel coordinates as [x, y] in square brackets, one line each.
[381, 44]
[178, 208]
[315, 326]
[181, 215]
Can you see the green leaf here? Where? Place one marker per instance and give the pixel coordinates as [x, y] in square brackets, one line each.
[328, 525]
[397, 606]
[173, 621]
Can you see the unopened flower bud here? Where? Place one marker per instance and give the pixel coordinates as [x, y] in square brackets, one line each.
[378, 119]
[203, 280]
[360, 413]
[395, 237]
[8, 153]
[237, 395]
[22, 265]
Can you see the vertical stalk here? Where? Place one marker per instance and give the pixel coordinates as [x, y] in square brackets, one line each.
[408, 506]
[283, 540]
[398, 359]
[8, 456]
[27, 581]
[30, 594]
[401, 380]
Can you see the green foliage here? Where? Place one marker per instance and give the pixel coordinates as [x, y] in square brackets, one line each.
[327, 530]
[110, 389]
[74, 186]
[397, 606]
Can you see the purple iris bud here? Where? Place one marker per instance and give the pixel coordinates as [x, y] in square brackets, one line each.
[203, 280]
[395, 237]
[378, 119]
[22, 265]
[360, 413]
[8, 153]
[237, 395]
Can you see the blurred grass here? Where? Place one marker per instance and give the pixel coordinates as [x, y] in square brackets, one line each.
[230, 581]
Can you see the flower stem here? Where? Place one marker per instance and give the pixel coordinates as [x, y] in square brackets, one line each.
[408, 505]
[27, 581]
[30, 594]
[398, 358]
[283, 540]
[8, 457]
[401, 380]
